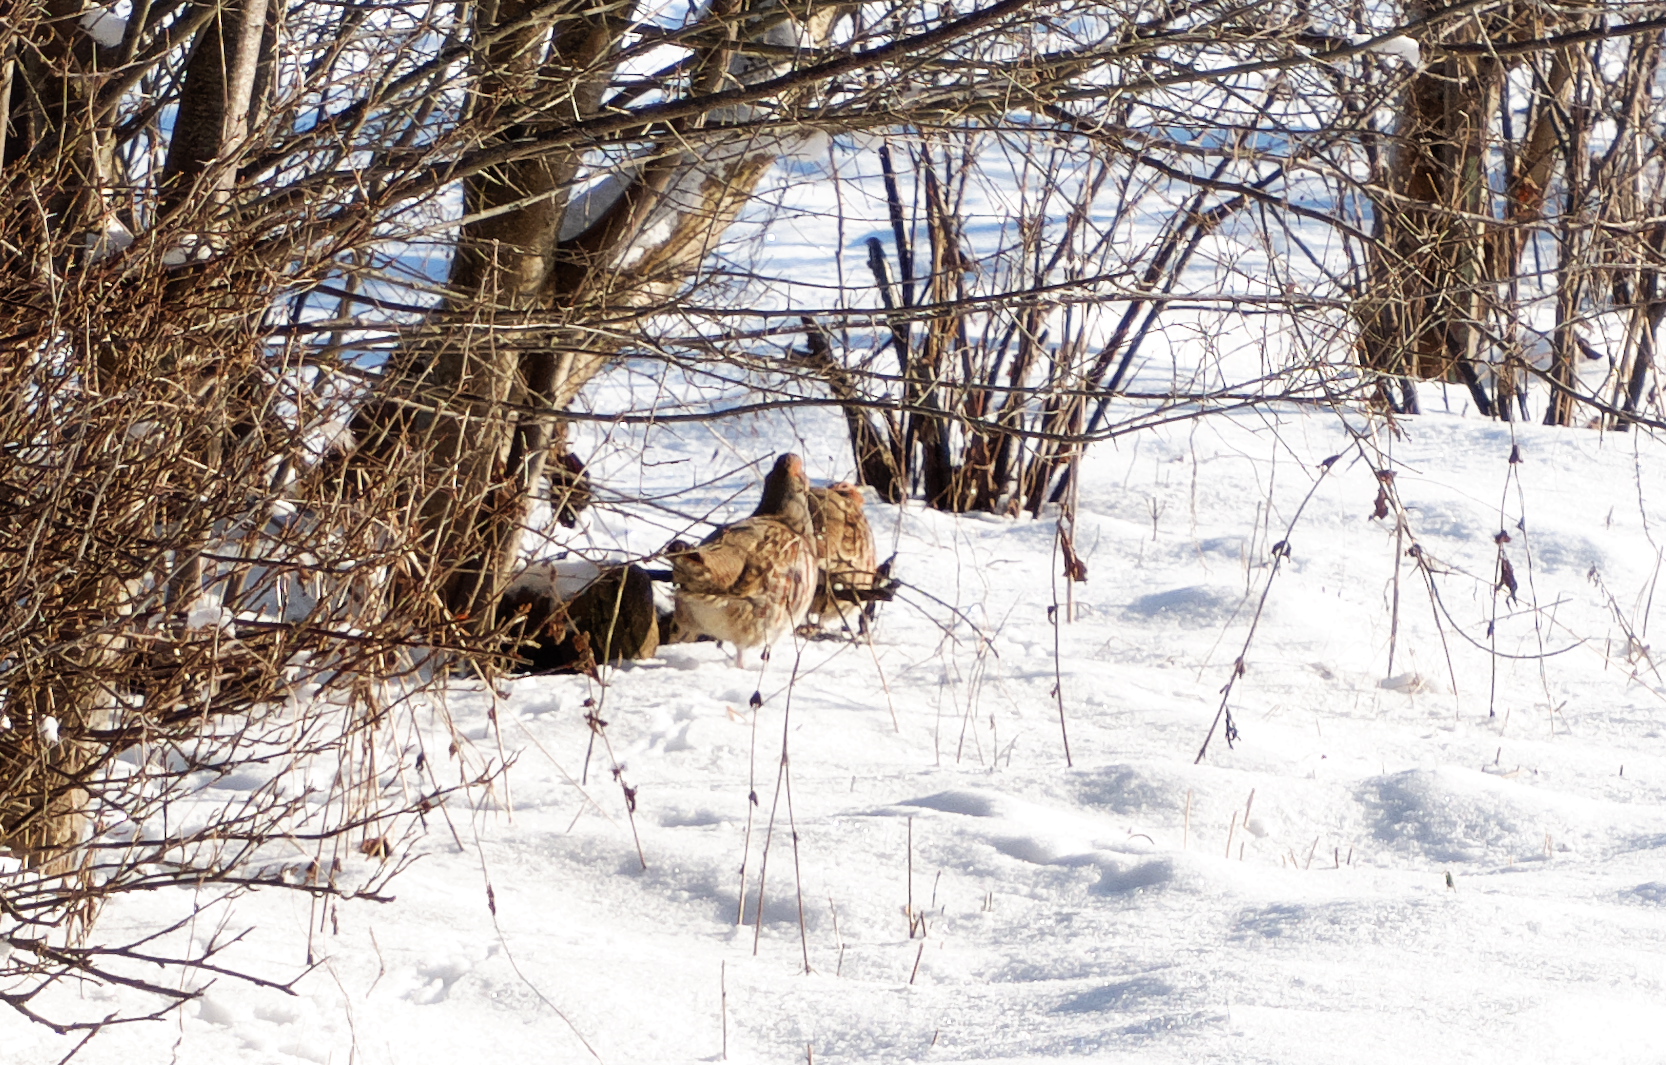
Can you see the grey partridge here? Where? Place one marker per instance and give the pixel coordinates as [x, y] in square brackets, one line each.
[748, 583]
[844, 544]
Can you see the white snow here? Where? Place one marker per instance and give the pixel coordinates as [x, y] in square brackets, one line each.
[187, 248]
[1401, 47]
[47, 729]
[104, 27]
[113, 239]
[590, 205]
[811, 147]
[1120, 909]
[209, 613]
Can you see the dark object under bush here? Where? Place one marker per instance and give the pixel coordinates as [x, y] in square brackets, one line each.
[611, 619]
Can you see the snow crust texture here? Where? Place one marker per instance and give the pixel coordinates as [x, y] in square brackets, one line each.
[1447, 857]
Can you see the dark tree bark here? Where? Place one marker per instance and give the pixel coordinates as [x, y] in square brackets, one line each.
[1424, 316]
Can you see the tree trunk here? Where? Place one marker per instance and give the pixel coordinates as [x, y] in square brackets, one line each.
[546, 283]
[1424, 314]
[216, 101]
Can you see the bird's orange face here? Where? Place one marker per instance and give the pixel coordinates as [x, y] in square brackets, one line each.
[795, 467]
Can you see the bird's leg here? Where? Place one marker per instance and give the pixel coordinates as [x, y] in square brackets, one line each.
[740, 657]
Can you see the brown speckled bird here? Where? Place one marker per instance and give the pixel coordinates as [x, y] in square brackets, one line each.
[844, 544]
[749, 582]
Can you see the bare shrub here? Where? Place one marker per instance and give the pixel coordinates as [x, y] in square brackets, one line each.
[295, 300]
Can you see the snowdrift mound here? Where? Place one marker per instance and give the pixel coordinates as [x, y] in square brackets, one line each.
[1451, 814]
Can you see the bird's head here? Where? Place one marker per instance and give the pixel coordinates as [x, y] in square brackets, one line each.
[790, 465]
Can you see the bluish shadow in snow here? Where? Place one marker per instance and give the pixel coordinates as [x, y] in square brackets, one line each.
[969, 803]
[1174, 1022]
[1350, 924]
[1231, 547]
[1117, 878]
[435, 979]
[1197, 605]
[1553, 546]
[1273, 922]
[1422, 810]
[689, 879]
[693, 818]
[1440, 518]
[1557, 549]
[1122, 995]
[1040, 850]
[1652, 842]
[1653, 893]
[1126, 789]
[1460, 815]
[1042, 835]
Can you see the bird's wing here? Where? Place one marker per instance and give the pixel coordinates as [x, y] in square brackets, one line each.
[720, 562]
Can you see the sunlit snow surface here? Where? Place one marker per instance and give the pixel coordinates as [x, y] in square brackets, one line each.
[1092, 912]
[1068, 912]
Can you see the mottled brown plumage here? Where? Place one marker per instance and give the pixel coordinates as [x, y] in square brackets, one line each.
[844, 546]
[749, 582]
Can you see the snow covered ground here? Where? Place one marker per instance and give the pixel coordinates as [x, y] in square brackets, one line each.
[1450, 858]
